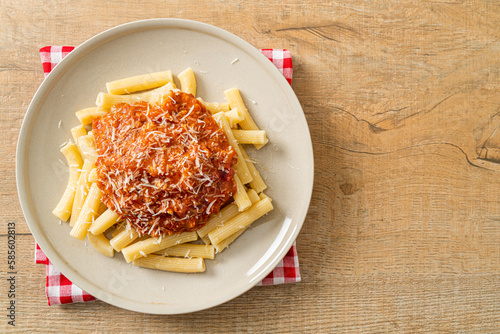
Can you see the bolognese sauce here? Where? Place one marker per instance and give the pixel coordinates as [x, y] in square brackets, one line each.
[166, 167]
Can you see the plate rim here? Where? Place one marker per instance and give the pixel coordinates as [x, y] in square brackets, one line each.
[44, 89]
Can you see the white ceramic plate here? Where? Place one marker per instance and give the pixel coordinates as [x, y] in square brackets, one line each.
[150, 46]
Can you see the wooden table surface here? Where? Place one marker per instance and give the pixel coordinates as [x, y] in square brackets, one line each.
[403, 103]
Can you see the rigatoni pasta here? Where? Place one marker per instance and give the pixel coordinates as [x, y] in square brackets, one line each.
[241, 166]
[105, 101]
[139, 83]
[241, 221]
[104, 221]
[250, 136]
[151, 245]
[189, 265]
[87, 148]
[77, 132]
[87, 213]
[241, 198]
[82, 188]
[109, 230]
[234, 116]
[188, 81]
[75, 162]
[85, 116]
[101, 244]
[257, 182]
[227, 213]
[215, 107]
[189, 251]
[123, 238]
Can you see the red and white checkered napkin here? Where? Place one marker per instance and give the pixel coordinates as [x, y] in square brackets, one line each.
[60, 290]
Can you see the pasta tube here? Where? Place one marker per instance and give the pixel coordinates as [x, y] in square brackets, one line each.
[101, 244]
[139, 82]
[85, 116]
[262, 196]
[234, 116]
[124, 238]
[234, 99]
[241, 221]
[87, 147]
[105, 101]
[226, 242]
[215, 107]
[241, 198]
[75, 162]
[158, 95]
[91, 218]
[257, 182]
[82, 188]
[189, 250]
[93, 175]
[151, 245]
[77, 132]
[250, 136]
[241, 167]
[104, 221]
[230, 211]
[88, 212]
[188, 81]
[194, 265]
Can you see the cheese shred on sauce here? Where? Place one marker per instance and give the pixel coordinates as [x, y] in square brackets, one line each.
[164, 168]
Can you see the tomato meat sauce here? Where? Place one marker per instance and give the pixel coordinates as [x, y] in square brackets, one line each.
[166, 167]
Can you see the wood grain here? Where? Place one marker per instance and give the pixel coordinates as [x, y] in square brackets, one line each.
[403, 104]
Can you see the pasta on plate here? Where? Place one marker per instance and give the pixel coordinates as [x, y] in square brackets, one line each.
[162, 176]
